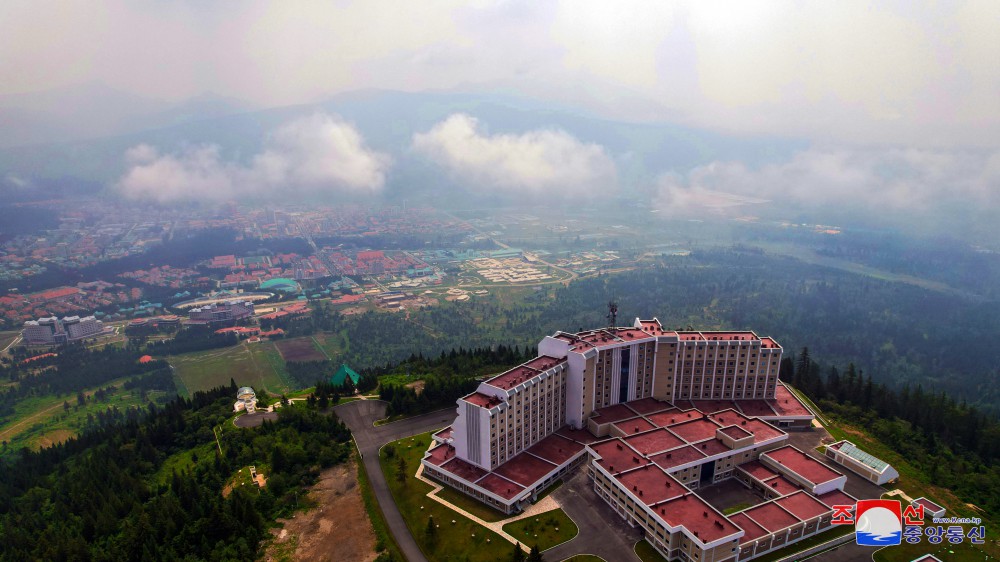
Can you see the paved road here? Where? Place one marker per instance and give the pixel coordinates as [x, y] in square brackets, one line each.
[360, 417]
[602, 531]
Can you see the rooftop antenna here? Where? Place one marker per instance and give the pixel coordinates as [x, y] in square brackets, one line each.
[612, 313]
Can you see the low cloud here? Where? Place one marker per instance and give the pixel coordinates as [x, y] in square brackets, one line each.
[319, 154]
[867, 181]
[539, 162]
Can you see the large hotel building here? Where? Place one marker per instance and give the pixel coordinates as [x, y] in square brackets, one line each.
[655, 414]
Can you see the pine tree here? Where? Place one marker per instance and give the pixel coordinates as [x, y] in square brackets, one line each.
[517, 555]
[430, 532]
[401, 470]
[535, 555]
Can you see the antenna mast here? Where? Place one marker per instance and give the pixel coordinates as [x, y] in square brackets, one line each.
[613, 313]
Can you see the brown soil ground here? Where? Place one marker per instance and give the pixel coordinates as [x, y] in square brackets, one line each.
[417, 386]
[299, 349]
[336, 530]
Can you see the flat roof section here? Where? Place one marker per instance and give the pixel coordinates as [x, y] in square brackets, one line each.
[736, 432]
[730, 336]
[500, 486]
[555, 449]
[677, 457]
[803, 505]
[525, 469]
[513, 377]
[578, 435]
[464, 470]
[771, 516]
[543, 362]
[444, 433]
[654, 441]
[648, 406]
[756, 408]
[667, 417]
[482, 400]
[757, 470]
[441, 454]
[802, 464]
[712, 406]
[753, 531]
[785, 403]
[633, 426]
[651, 484]
[697, 516]
[711, 447]
[836, 497]
[616, 456]
[782, 485]
[695, 430]
[762, 431]
[612, 414]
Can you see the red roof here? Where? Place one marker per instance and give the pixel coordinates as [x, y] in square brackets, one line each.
[145, 359]
[525, 469]
[771, 516]
[695, 430]
[513, 377]
[633, 426]
[752, 530]
[482, 400]
[802, 464]
[699, 518]
[616, 456]
[555, 449]
[651, 484]
[803, 505]
[652, 442]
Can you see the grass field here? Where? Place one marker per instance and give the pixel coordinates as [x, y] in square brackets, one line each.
[647, 553]
[479, 509]
[253, 364]
[544, 530]
[461, 540]
[300, 349]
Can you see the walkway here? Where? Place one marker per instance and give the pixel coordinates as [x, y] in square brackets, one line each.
[360, 417]
[545, 504]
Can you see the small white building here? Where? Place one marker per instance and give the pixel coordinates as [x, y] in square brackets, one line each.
[875, 470]
[246, 400]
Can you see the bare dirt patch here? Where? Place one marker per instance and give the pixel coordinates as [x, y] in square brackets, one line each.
[299, 349]
[417, 386]
[336, 529]
[53, 437]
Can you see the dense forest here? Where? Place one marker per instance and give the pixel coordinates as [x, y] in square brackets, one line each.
[954, 444]
[106, 495]
[902, 333]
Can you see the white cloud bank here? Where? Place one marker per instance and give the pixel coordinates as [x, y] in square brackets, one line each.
[911, 181]
[311, 155]
[539, 162]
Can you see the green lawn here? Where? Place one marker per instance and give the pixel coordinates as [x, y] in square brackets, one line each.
[545, 529]
[734, 508]
[647, 553]
[252, 364]
[477, 508]
[461, 540]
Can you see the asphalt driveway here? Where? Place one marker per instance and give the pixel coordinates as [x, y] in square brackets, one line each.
[360, 417]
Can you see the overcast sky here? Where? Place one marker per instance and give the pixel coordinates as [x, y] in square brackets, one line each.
[833, 72]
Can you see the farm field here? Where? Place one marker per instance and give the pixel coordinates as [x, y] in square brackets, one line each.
[300, 349]
[258, 365]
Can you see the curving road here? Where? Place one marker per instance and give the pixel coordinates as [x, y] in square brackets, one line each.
[360, 417]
